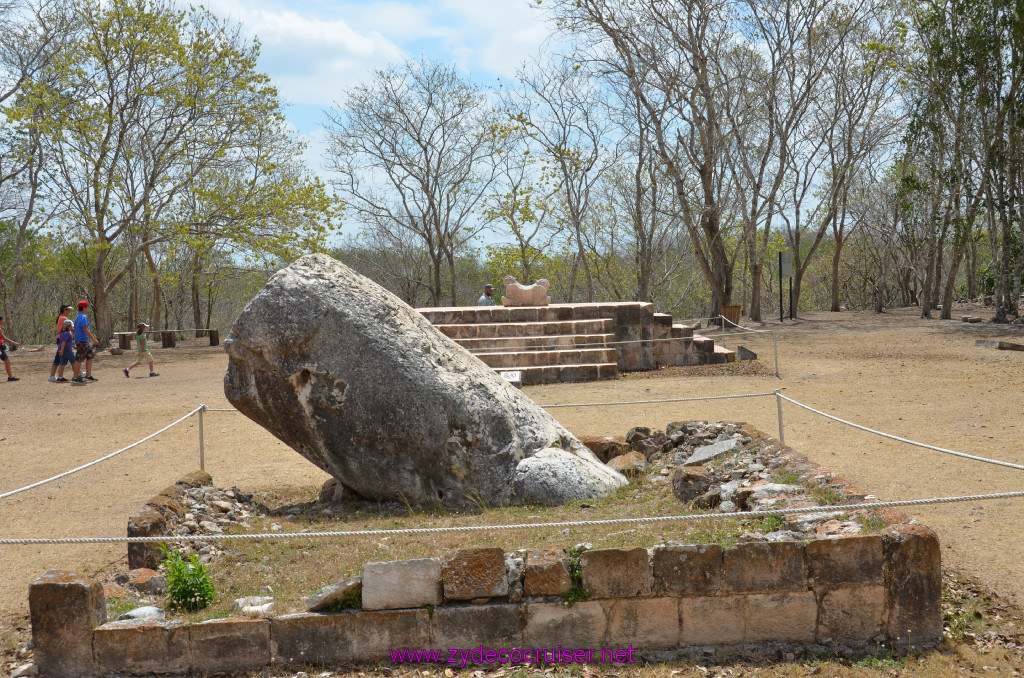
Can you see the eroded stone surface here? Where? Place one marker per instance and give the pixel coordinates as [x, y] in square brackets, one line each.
[364, 387]
[474, 573]
[617, 573]
[402, 584]
[547, 572]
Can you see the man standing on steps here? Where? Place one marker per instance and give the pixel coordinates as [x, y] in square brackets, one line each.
[84, 351]
[487, 298]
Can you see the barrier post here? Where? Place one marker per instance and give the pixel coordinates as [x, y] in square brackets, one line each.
[775, 343]
[202, 444]
[778, 403]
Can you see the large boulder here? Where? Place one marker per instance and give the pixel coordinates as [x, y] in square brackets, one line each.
[360, 384]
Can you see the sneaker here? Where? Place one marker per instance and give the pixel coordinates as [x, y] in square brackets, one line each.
[13, 378]
[78, 380]
[89, 377]
[154, 374]
[61, 380]
[53, 378]
[126, 373]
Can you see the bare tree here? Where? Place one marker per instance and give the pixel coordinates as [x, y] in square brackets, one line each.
[413, 152]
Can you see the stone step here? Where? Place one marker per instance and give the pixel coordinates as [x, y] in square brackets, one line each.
[722, 355]
[527, 329]
[555, 374]
[464, 315]
[680, 331]
[703, 344]
[562, 341]
[514, 360]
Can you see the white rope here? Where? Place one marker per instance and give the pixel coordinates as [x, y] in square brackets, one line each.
[224, 409]
[514, 526]
[660, 400]
[906, 440]
[97, 461]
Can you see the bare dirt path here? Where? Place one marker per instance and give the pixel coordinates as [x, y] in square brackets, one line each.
[924, 380]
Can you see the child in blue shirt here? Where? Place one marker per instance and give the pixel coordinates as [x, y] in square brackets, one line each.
[66, 350]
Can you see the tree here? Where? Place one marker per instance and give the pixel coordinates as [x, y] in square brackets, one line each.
[144, 100]
[413, 152]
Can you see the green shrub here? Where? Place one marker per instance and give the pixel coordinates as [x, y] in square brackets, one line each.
[189, 586]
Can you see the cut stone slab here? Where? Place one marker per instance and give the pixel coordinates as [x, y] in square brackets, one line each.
[547, 572]
[1001, 345]
[709, 452]
[348, 589]
[364, 387]
[744, 353]
[400, 584]
[474, 573]
[64, 608]
[147, 612]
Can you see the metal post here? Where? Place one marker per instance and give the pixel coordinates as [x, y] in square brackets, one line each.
[202, 444]
[778, 402]
[775, 343]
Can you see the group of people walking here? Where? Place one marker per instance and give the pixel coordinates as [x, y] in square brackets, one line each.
[76, 346]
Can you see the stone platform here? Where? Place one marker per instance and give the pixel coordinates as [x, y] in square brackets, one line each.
[575, 342]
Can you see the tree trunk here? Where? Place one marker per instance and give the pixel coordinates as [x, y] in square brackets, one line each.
[756, 269]
[835, 275]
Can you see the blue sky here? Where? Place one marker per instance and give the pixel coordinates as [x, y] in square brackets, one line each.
[314, 49]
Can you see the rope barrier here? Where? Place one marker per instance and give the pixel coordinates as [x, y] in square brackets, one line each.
[997, 462]
[101, 459]
[661, 400]
[513, 526]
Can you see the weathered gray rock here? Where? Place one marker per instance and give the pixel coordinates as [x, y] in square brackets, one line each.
[554, 476]
[367, 389]
[25, 671]
[690, 483]
[709, 452]
[147, 612]
[253, 606]
[345, 591]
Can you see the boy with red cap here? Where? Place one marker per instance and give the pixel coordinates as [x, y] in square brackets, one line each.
[84, 351]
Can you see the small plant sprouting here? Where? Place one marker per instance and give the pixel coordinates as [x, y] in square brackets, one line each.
[189, 586]
[576, 593]
[352, 600]
[770, 524]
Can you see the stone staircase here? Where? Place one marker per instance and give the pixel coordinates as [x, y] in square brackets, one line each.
[574, 342]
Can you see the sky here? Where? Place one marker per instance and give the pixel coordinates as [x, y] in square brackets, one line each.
[314, 49]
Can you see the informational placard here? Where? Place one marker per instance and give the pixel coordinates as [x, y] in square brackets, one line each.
[514, 377]
[786, 264]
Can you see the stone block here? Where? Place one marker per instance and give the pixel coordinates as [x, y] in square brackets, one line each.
[146, 523]
[402, 584]
[549, 624]
[780, 618]
[690, 483]
[650, 623]
[344, 591]
[617, 573]
[195, 479]
[711, 620]
[709, 452]
[547, 572]
[761, 566]
[493, 626]
[474, 573]
[688, 570]
[912, 575]
[230, 645]
[64, 609]
[845, 560]
[851, 615]
[142, 646]
[745, 353]
[605, 447]
[346, 637]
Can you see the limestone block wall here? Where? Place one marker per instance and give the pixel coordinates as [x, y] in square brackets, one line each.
[854, 591]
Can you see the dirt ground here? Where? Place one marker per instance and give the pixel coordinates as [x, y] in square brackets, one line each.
[924, 380]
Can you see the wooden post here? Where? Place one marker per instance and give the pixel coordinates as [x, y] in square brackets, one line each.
[167, 339]
[124, 341]
[214, 337]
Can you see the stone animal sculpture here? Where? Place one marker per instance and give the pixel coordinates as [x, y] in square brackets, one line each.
[517, 294]
[363, 386]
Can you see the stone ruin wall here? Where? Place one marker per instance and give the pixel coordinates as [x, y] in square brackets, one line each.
[860, 591]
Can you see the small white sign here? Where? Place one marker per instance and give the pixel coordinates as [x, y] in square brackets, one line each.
[515, 376]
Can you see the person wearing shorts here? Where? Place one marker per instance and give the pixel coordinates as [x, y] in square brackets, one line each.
[84, 351]
[66, 351]
[3, 351]
[62, 315]
[144, 355]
